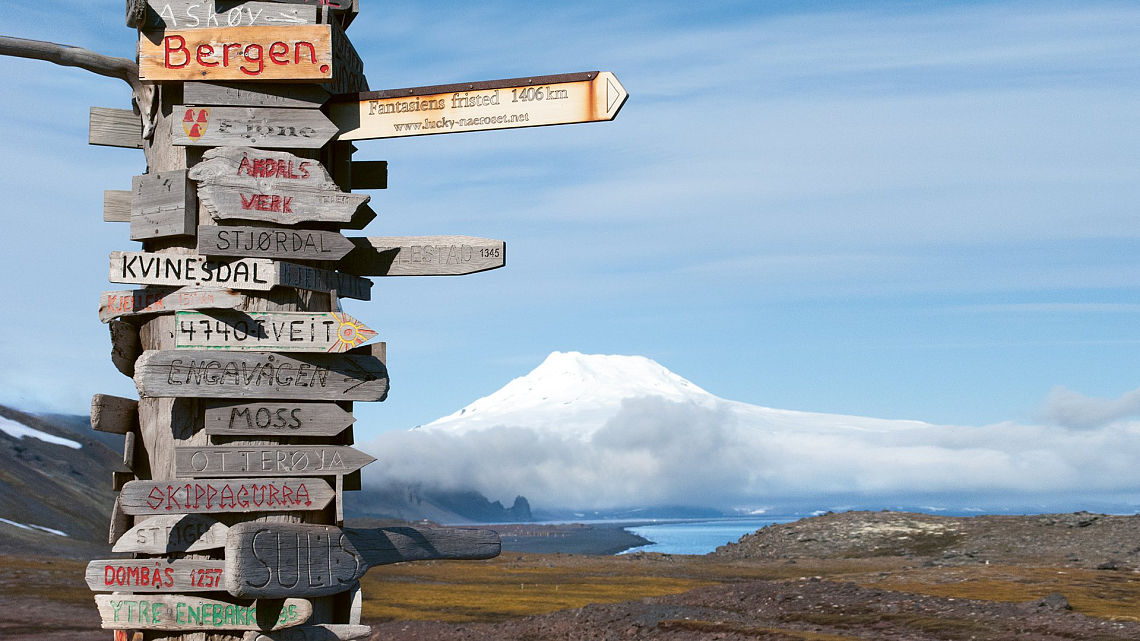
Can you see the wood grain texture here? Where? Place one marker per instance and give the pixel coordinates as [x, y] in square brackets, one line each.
[147, 576]
[120, 521]
[115, 128]
[220, 461]
[279, 187]
[125, 346]
[158, 300]
[113, 414]
[268, 127]
[369, 174]
[176, 533]
[129, 450]
[260, 375]
[196, 14]
[116, 206]
[267, 560]
[163, 204]
[262, 242]
[268, 419]
[423, 256]
[198, 54]
[310, 332]
[319, 632]
[154, 498]
[228, 94]
[175, 612]
[179, 270]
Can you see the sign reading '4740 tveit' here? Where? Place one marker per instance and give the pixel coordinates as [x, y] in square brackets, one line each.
[331, 332]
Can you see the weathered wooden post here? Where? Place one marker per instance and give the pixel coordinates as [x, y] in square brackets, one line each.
[239, 447]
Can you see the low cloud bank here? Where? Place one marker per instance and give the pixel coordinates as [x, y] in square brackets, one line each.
[659, 452]
[1074, 410]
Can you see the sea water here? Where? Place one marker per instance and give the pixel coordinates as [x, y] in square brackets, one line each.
[699, 537]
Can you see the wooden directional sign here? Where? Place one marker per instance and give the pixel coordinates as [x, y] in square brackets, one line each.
[258, 274]
[277, 559]
[163, 204]
[255, 126]
[278, 187]
[261, 375]
[237, 53]
[156, 300]
[194, 14]
[174, 612]
[227, 495]
[315, 332]
[424, 256]
[267, 460]
[498, 104]
[276, 419]
[174, 533]
[265, 242]
[224, 94]
[113, 414]
[155, 575]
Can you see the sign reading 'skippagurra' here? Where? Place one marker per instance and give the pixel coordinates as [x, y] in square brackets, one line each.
[177, 612]
[225, 495]
[237, 53]
[272, 186]
[265, 559]
[268, 460]
[260, 375]
[314, 332]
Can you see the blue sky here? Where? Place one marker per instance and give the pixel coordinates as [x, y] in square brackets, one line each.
[922, 210]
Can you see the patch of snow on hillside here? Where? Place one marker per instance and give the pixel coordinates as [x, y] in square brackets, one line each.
[25, 526]
[19, 430]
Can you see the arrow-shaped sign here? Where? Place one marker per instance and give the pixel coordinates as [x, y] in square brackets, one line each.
[225, 495]
[423, 256]
[175, 612]
[591, 96]
[173, 533]
[267, 460]
[155, 575]
[297, 418]
[327, 332]
[271, 242]
[256, 126]
[335, 558]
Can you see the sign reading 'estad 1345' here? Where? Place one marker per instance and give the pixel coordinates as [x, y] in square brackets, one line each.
[238, 53]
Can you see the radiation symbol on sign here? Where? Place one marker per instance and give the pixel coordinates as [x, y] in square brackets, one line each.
[195, 122]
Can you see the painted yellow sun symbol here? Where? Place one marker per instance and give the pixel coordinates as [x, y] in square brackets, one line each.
[349, 333]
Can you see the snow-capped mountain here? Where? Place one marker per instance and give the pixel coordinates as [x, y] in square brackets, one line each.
[573, 395]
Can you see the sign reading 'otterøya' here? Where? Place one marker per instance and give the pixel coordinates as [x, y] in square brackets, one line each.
[271, 186]
[331, 332]
[227, 495]
[268, 460]
[261, 375]
[237, 53]
[497, 104]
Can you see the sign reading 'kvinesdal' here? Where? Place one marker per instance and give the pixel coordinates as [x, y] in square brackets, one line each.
[268, 460]
[184, 613]
[261, 375]
[258, 274]
[497, 104]
[331, 332]
[226, 495]
[272, 186]
[261, 558]
[237, 53]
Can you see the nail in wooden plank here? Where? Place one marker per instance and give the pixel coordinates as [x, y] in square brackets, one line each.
[336, 558]
[114, 415]
[115, 128]
[116, 206]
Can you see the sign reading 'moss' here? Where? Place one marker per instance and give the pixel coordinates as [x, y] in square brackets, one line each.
[237, 53]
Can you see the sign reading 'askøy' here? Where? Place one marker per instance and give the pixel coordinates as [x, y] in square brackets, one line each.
[237, 53]
[497, 104]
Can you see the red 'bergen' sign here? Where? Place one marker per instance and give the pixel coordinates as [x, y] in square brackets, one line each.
[238, 53]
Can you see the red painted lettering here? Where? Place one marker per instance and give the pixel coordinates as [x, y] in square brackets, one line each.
[181, 47]
[276, 55]
[204, 52]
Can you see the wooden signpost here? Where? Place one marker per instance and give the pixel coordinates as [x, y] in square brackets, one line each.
[256, 126]
[225, 496]
[424, 256]
[277, 419]
[195, 14]
[268, 460]
[237, 53]
[163, 204]
[261, 557]
[157, 300]
[155, 575]
[174, 533]
[247, 274]
[251, 184]
[262, 242]
[478, 106]
[260, 375]
[315, 332]
[183, 613]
